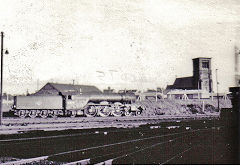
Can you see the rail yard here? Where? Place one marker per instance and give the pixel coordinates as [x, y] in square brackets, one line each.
[16, 125]
[119, 82]
[203, 136]
[139, 139]
[118, 128]
[177, 141]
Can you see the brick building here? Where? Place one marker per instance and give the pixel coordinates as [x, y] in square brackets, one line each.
[200, 82]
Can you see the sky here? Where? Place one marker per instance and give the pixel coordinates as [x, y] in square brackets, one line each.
[132, 44]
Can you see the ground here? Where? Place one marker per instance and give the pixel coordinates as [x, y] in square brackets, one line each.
[183, 107]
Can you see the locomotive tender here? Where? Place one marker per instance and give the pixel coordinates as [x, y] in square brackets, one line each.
[90, 105]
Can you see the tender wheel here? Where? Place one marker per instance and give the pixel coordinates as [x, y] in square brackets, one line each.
[128, 113]
[90, 111]
[44, 114]
[73, 113]
[104, 111]
[22, 113]
[138, 113]
[53, 114]
[33, 114]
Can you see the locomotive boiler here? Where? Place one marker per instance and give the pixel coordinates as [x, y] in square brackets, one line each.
[90, 105]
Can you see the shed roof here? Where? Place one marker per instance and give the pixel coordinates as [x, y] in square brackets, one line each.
[202, 58]
[70, 89]
[183, 83]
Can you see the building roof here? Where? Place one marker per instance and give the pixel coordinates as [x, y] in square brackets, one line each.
[169, 87]
[75, 89]
[202, 58]
[70, 89]
[183, 83]
[180, 91]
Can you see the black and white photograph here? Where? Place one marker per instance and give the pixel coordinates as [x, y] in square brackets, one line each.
[119, 82]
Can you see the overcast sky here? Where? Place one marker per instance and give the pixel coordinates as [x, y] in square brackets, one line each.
[123, 44]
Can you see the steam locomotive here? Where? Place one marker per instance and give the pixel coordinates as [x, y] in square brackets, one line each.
[89, 105]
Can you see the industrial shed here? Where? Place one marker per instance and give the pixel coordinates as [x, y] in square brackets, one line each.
[183, 83]
[66, 89]
[188, 94]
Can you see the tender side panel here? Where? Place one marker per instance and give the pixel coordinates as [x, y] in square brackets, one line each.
[39, 102]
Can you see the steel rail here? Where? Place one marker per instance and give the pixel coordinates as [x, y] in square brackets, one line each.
[97, 123]
[128, 141]
[154, 145]
[109, 161]
[15, 121]
[179, 154]
[25, 161]
[102, 146]
[77, 134]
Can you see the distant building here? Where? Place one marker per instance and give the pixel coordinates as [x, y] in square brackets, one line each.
[182, 83]
[200, 81]
[150, 95]
[108, 90]
[187, 94]
[66, 89]
[202, 74]
[6, 96]
[128, 91]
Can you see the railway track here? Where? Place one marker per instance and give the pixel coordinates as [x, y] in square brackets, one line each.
[128, 151]
[15, 120]
[16, 125]
[186, 141]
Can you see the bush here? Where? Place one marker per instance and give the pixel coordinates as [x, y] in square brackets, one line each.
[210, 108]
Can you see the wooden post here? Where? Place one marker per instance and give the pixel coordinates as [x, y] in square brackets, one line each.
[156, 96]
[203, 106]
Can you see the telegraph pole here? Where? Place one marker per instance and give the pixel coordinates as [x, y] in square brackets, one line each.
[1, 78]
[1, 85]
[217, 90]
